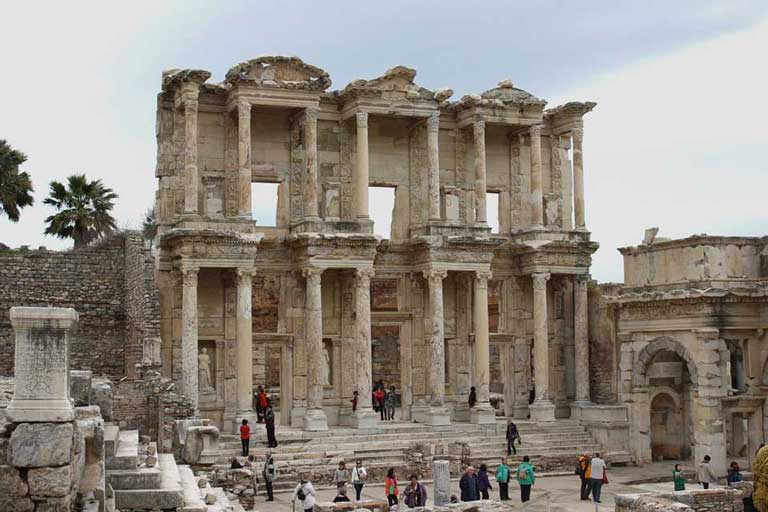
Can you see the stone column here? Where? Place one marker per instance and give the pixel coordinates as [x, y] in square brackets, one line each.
[362, 176]
[433, 152]
[437, 414]
[441, 473]
[244, 159]
[244, 342]
[578, 178]
[364, 417]
[482, 412]
[314, 418]
[478, 129]
[190, 151]
[41, 364]
[537, 191]
[542, 408]
[581, 338]
[311, 210]
[189, 385]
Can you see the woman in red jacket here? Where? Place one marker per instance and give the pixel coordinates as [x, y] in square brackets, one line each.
[245, 436]
[390, 487]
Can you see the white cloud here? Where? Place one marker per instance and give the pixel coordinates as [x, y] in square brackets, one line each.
[677, 142]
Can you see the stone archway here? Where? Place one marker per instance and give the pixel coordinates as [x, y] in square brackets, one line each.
[646, 356]
[667, 426]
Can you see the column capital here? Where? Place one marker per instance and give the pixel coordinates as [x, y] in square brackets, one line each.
[312, 274]
[190, 104]
[479, 123]
[577, 134]
[243, 108]
[361, 118]
[482, 277]
[435, 276]
[540, 280]
[244, 276]
[189, 275]
[364, 275]
[433, 122]
[582, 279]
[311, 113]
[535, 131]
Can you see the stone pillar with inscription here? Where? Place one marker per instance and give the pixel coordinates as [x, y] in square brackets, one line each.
[482, 412]
[244, 159]
[314, 417]
[362, 174]
[437, 414]
[244, 346]
[578, 178]
[433, 152]
[537, 190]
[192, 177]
[478, 131]
[311, 209]
[189, 340]
[542, 408]
[364, 417]
[41, 385]
[581, 341]
[441, 473]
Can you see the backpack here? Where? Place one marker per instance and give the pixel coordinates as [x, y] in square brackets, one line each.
[522, 473]
[300, 494]
[579, 470]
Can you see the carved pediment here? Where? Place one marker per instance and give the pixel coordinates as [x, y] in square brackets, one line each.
[396, 83]
[575, 108]
[280, 72]
[503, 95]
[175, 78]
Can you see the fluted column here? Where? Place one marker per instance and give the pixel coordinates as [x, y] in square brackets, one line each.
[578, 178]
[581, 338]
[314, 418]
[537, 191]
[189, 382]
[542, 408]
[244, 341]
[364, 417]
[190, 151]
[437, 414]
[433, 152]
[482, 412]
[478, 130]
[311, 187]
[244, 159]
[361, 183]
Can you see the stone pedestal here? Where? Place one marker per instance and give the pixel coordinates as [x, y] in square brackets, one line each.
[315, 420]
[437, 416]
[41, 387]
[441, 473]
[542, 410]
[365, 419]
[482, 414]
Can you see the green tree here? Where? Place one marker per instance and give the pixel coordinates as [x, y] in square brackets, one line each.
[84, 208]
[149, 226]
[15, 187]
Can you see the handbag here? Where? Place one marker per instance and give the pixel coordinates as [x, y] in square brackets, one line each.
[605, 477]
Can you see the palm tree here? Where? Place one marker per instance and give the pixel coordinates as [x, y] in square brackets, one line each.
[84, 208]
[15, 187]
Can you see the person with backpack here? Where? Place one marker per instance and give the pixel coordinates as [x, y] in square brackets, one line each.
[597, 476]
[483, 483]
[583, 470]
[512, 435]
[390, 487]
[305, 493]
[734, 473]
[359, 477]
[525, 478]
[269, 472]
[502, 477]
[678, 478]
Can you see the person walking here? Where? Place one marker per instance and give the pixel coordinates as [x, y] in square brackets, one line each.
[245, 436]
[259, 410]
[704, 473]
[389, 403]
[269, 418]
[502, 478]
[305, 493]
[678, 478]
[470, 489]
[525, 478]
[390, 487]
[483, 483]
[512, 435]
[472, 400]
[378, 399]
[355, 395]
[597, 476]
[359, 477]
[269, 472]
[415, 493]
[583, 470]
[340, 477]
[734, 473]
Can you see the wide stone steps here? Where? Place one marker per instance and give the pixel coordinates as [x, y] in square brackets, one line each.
[168, 495]
[125, 451]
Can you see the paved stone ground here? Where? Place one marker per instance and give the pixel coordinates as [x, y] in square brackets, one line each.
[564, 490]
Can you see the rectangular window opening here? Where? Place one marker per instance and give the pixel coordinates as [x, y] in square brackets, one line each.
[381, 204]
[264, 203]
[492, 210]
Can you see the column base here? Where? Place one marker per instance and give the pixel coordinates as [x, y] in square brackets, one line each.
[419, 411]
[542, 410]
[315, 420]
[437, 416]
[365, 419]
[482, 414]
[244, 415]
[53, 410]
[577, 407]
[520, 411]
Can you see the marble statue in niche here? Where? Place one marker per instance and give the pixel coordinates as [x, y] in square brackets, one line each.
[204, 371]
[325, 367]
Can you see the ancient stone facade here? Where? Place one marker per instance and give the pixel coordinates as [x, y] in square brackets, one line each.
[309, 292]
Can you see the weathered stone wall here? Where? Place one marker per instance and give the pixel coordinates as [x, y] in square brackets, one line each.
[720, 500]
[142, 300]
[91, 280]
[602, 343]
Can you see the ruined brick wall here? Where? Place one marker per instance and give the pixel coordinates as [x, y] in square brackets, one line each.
[142, 300]
[602, 346]
[385, 352]
[89, 279]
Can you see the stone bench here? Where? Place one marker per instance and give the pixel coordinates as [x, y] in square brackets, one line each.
[372, 505]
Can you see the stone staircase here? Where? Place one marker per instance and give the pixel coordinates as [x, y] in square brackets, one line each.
[411, 446]
[160, 486]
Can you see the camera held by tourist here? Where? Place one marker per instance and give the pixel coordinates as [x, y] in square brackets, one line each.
[678, 477]
[305, 493]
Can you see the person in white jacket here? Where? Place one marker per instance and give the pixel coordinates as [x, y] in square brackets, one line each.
[359, 477]
[305, 493]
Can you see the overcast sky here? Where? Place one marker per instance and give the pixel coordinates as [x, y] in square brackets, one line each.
[678, 139]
